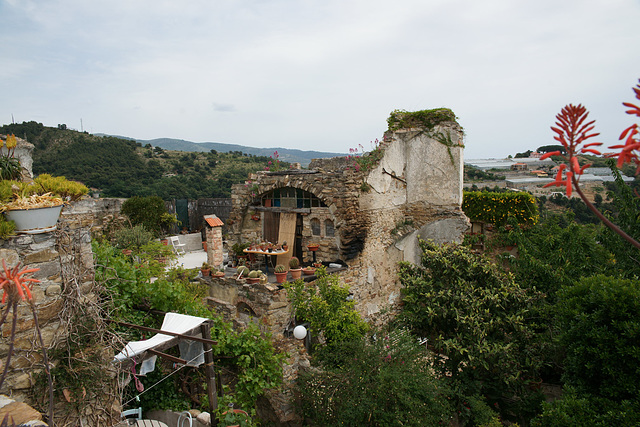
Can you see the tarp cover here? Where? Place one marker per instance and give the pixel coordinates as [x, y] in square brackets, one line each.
[173, 322]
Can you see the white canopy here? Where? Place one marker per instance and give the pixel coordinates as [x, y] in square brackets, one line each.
[173, 322]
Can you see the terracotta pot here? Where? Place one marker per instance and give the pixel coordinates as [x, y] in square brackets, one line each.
[296, 273]
[309, 271]
[206, 272]
[204, 246]
[253, 279]
[235, 411]
[313, 248]
[281, 277]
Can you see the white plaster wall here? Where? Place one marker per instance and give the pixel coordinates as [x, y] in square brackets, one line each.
[432, 174]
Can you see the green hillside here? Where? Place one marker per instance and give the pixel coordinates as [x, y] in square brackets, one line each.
[124, 168]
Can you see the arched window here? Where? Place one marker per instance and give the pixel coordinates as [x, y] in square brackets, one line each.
[315, 226]
[329, 231]
[289, 197]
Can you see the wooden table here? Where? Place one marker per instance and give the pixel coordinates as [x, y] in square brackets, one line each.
[266, 254]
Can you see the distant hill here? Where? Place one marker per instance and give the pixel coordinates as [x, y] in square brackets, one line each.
[284, 154]
[125, 167]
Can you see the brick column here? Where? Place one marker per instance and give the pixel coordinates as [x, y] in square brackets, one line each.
[215, 255]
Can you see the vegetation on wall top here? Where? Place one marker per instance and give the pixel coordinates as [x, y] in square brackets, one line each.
[426, 119]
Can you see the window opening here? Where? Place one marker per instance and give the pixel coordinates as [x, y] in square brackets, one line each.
[315, 226]
[289, 197]
[329, 230]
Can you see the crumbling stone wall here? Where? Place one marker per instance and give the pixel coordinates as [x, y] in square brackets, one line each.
[66, 275]
[415, 190]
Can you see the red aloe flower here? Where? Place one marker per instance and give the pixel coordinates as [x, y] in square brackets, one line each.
[14, 285]
[631, 136]
[572, 131]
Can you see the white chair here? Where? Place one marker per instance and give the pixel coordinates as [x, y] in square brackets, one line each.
[177, 246]
[132, 415]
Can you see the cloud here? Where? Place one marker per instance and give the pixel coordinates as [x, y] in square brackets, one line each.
[317, 73]
[224, 108]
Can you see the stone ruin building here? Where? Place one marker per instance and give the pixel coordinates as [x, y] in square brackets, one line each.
[365, 217]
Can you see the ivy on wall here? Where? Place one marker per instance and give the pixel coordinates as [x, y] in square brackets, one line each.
[496, 208]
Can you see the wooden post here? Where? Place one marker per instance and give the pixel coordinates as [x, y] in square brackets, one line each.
[209, 369]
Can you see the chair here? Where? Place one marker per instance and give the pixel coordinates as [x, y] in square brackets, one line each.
[132, 415]
[177, 246]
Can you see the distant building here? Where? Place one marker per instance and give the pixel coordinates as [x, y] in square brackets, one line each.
[506, 164]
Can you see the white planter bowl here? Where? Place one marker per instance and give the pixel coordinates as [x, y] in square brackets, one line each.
[35, 221]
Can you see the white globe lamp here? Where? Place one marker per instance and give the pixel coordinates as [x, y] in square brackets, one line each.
[300, 332]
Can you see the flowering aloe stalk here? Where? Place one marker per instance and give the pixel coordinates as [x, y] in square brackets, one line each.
[16, 286]
[573, 130]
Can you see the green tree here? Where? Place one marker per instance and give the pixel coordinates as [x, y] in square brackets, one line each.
[327, 308]
[149, 212]
[476, 319]
[381, 381]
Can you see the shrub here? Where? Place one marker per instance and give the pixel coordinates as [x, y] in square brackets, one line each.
[385, 381]
[326, 307]
[147, 211]
[132, 238]
[575, 409]
[600, 328]
[475, 318]
[496, 208]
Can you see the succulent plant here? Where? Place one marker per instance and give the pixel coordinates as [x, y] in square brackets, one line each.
[254, 274]
[280, 269]
[205, 266]
[294, 263]
[243, 270]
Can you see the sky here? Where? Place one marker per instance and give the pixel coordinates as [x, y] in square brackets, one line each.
[318, 74]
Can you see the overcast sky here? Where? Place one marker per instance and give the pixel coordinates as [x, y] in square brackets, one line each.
[317, 74]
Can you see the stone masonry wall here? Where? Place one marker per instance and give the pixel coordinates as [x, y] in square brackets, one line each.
[342, 205]
[66, 275]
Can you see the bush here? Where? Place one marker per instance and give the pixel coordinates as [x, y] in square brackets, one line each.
[132, 238]
[496, 208]
[476, 318]
[600, 328]
[147, 211]
[326, 307]
[386, 381]
[583, 410]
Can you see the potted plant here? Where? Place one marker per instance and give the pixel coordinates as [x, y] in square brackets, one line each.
[294, 265]
[218, 272]
[281, 273]
[285, 246]
[313, 247]
[235, 418]
[242, 271]
[318, 264]
[205, 269]
[308, 271]
[238, 250]
[254, 276]
[36, 206]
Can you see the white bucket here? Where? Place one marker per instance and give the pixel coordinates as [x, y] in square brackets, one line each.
[35, 221]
